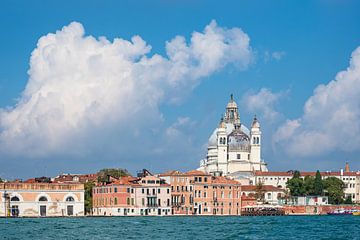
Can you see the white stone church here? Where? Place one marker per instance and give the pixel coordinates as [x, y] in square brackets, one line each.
[233, 150]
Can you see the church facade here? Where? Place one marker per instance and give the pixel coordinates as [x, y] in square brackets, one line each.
[234, 150]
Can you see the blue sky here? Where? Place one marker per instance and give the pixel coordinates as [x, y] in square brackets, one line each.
[295, 47]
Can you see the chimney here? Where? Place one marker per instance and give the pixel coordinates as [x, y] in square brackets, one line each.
[341, 172]
[347, 168]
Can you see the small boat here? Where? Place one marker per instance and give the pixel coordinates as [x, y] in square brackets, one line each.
[357, 213]
[340, 212]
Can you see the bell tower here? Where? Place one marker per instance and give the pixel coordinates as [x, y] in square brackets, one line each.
[255, 145]
[222, 147]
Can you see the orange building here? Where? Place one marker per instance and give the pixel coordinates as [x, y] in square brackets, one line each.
[199, 193]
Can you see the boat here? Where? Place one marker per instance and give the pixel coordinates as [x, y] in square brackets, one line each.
[340, 212]
[357, 213]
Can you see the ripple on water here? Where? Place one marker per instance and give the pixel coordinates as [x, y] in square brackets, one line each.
[289, 227]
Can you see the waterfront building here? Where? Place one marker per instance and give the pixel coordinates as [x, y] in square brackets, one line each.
[76, 178]
[41, 198]
[279, 179]
[199, 193]
[234, 150]
[272, 194]
[132, 196]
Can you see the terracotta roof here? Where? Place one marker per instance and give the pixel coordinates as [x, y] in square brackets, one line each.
[268, 188]
[224, 180]
[171, 173]
[196, 173]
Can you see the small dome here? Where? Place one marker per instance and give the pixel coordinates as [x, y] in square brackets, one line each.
[255, 123]
[231, 103]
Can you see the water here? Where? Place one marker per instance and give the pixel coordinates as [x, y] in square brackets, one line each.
[286, 227]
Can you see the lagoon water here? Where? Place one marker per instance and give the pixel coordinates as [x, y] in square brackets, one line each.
[285, 227]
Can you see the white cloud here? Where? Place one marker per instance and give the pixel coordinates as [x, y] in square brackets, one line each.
[263, 102]
[276, 55]
[80, 87]
[331, 118]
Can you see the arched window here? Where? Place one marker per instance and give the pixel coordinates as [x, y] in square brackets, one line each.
[43, 199]
[15, 199]
[115, 201]
[257, 140]
[70, 199]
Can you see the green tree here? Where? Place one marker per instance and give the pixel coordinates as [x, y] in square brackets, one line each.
[348, 200]
[318, 184]
[103, 174]
[309, 185]
[334, 188]
[88, 196]
[1, 180]
[259, 192]
[296, 185]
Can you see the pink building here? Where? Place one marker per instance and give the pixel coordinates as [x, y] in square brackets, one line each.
[132, 196]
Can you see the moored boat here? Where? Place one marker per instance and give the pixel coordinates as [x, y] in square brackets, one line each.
[340, 212]
[357, 213]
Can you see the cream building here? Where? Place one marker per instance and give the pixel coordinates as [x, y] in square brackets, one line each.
[33, 199]
[233, 149]
[279, 179]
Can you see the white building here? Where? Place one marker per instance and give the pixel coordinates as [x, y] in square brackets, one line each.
[279, 179]
[233, 150]
[35, 199]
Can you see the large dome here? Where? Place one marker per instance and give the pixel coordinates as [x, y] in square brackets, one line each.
[229, 129]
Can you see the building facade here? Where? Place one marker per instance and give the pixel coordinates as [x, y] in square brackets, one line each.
[37, 199]
[199, 193]
[130, 196]
[279, 179]
[233, 150]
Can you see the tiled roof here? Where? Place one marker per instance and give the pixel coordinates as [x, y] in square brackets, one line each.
[268, 188]
[224, 180]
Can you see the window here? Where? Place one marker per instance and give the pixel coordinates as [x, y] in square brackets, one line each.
[43, 199]
[132, 201]
[158, 190]
[238, 156]
[115, 189]
[128, 201]
[70, 199]
[15, 199]
[128, 190]
[205, 179]
[200, 179]
[168, 190]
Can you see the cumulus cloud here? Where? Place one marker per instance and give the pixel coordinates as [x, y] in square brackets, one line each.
[80, 86]
[331, 118]
[263, 102]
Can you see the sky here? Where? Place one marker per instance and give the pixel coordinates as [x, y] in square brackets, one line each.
[86, 85]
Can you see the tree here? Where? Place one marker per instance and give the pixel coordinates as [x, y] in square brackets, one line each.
[259, 192]
[88, 196]
[334, 188]
[348, 200]
[1, 180]
[309, 185]
[296, 185]
[318, 184]
[103, 174]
